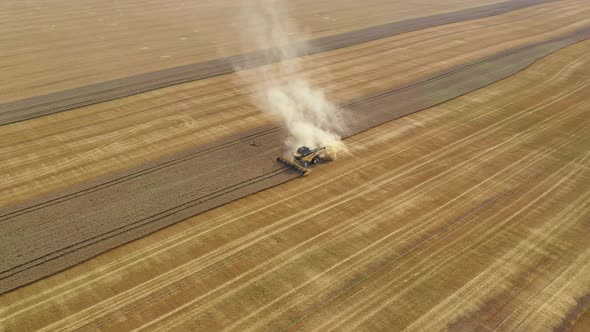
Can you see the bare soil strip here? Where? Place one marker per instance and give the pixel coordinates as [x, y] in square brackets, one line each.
[127, 206]
[33, 107]
[469, 216]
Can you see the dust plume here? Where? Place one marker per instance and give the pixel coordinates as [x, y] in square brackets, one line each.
[281, 89]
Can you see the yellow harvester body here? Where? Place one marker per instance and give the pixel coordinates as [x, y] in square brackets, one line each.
[303, 158]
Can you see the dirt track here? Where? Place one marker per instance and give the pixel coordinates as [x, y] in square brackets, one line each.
[471, 215]
[37, 106]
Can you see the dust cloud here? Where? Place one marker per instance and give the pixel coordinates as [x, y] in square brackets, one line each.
[282, 89]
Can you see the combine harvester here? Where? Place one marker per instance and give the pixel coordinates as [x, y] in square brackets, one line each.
[302, 159]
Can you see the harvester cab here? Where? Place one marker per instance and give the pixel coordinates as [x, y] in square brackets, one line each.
[306, 156]
[303, 158]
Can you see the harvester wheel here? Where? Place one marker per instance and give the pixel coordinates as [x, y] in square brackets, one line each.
[305, 164]
[314, 160]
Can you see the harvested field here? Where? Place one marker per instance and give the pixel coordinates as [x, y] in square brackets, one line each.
[462, 216]
[163, 207]
[227, 170]
[28, 108]
[101, 139]
[91, 41]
